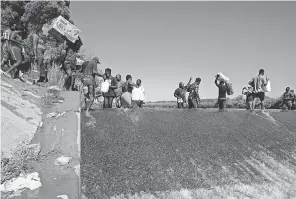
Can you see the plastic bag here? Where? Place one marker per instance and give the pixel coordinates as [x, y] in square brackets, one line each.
[223, 77]
[229, 89]
[267, 88]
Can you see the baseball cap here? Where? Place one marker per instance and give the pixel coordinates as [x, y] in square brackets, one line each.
[97, 59]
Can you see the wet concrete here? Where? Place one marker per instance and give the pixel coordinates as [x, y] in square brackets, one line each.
[58, 136]
[152, 150]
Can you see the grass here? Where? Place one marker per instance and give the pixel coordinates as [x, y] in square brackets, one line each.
[18, 163]
[188, 154]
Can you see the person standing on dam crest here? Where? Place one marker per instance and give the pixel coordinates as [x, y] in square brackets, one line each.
[258, 84]
[193, 98]
[287, 99]
[88, 80]
[110, 95]
[180, 94]
[222, 93]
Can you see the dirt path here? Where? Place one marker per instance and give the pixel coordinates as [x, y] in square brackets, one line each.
[170, 153]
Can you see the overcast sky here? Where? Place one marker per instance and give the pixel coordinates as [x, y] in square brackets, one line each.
[163, 43]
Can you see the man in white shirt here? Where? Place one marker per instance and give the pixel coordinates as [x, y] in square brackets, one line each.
[138, 94]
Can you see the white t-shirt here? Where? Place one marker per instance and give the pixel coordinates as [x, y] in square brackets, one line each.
[138, 94]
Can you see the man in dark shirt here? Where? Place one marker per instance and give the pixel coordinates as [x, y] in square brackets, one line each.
[222, 94]
[15, 54]
[118, 91]
[180, 94]
[287, 99]
[193, 97]
[128, 85]
[88, 80]
[110, 95]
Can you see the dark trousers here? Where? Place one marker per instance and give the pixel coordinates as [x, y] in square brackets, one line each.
[222, 104]
[180, 104]
[293, 105]
[43, 69]
[108, 101]
[287, 105]
[192, 103]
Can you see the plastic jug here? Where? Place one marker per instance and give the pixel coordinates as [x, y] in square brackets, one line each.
[105, 87]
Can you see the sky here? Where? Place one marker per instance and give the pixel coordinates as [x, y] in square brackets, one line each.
[164, 43]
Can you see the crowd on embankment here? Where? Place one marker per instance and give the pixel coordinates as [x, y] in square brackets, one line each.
[125, 93]
[23, 54]
[257, 88]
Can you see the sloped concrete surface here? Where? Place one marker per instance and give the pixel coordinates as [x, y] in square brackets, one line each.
[20, 113]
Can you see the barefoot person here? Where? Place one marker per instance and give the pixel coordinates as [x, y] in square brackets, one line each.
[193, 98]
[88, 80]
[287, 99]
[15, 54]
[6, 43]
[110, 95]
[222, 93]
[259, 83]
[180, 94]
[118, 91]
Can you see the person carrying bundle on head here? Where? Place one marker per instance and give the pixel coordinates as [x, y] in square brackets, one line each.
[222, 93]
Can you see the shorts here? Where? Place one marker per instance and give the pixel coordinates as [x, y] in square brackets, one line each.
[222, 103]
[260, 95]
[192, 103]
[88, 81]
[15, 53]
[287, 104]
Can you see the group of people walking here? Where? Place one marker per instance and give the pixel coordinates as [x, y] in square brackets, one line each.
[257, 88]
[126, 93]
[193, 89]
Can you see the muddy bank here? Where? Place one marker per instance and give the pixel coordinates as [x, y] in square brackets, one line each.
[167, 153]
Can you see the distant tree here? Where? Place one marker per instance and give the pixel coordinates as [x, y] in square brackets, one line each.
[12, 11]
[37, 13]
